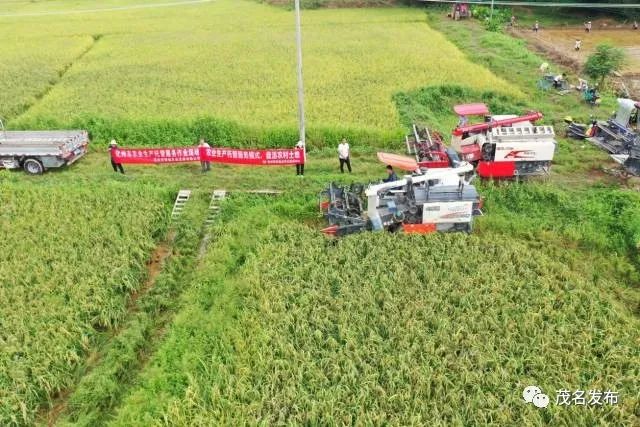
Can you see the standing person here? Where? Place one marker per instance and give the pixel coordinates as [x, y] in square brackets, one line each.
[300, 166]
[202, 146]
[113, 146]
[344, 153]
[391, 175]
[536, 27]
[577, 45]
[635, 25]
[513, 20]
[588, 27]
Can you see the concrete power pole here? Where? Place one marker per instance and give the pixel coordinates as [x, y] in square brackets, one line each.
[300, 83]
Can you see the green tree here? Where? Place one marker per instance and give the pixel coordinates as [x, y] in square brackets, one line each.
[604, 61]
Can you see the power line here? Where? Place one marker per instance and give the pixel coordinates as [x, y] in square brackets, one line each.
[545, 4]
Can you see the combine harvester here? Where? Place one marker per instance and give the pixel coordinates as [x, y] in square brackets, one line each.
[438, 199]
[504, 146]
[620, 135]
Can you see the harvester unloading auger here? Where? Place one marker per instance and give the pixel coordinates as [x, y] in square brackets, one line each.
[433, 200]
[503, 146]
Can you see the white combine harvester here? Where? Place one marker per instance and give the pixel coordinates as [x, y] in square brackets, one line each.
[435, 200]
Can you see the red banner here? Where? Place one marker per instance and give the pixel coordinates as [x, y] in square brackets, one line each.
[236, 156]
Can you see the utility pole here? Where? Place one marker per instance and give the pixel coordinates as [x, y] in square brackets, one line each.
[492, 10]
[300, 83]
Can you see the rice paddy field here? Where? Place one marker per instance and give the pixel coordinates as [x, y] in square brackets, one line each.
[113, 314]
[69, 260]
[162, 68]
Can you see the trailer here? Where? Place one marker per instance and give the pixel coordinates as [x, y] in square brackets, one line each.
[37, 151]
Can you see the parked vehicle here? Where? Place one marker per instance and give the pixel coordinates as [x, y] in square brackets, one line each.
[37, 151]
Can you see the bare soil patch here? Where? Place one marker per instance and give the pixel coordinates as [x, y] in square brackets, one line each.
[558, 43]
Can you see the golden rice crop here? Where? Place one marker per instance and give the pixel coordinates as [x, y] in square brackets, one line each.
[235, 60]
[30, 65]
[68, 259]
[286, 327]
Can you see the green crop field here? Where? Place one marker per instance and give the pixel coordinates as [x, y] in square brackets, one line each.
[113, 314]
[213, 60]
[69, 258]
[441, 330]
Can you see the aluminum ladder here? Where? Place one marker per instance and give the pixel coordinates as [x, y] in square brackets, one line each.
[216, 197]
[181, 201]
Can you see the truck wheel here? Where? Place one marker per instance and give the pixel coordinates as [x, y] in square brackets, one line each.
[33, 167]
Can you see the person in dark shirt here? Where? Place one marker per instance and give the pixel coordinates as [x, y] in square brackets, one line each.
[113, 146]
[391, 175]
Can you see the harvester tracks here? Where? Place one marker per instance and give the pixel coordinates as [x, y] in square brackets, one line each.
[154, 332]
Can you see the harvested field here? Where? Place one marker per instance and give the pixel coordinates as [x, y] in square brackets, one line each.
[559, 43]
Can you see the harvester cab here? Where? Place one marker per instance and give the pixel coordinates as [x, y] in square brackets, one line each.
[430, 200]
[503, 146]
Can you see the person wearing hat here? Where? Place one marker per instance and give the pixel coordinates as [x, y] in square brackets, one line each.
[113, 145]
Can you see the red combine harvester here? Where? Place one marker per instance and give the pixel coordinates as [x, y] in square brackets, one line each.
[501, 147]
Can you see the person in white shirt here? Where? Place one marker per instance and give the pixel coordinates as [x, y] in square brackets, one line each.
[557, 80]
[578, 44]
[206, 165]
[300, 166]
[344, 155]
